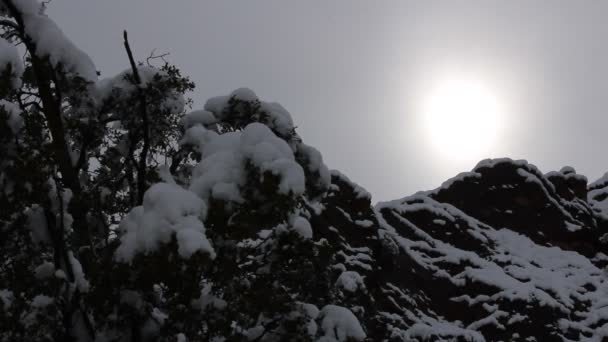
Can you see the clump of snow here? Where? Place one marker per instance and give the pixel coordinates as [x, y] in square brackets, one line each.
[131, 298]
[244, 94]
[243, 107]
[122, 82]
[37, 224]
[311, 312]
[41, 301]
[159, 316]
[7, 297]
[433, 329]
[44, 270]
[340, 324]
[279, 118]
[364, 223]
[79, 279]
[222, 170]
[314, 163]
[120, 87]
[9, 57]
[207, 299]
[218, 104]
[270, 153]
[350, 281]
[38, 304]
[598, 196]
[168, 211]
[301, 226]
[15, 122]
[51, 42]
[198, 117]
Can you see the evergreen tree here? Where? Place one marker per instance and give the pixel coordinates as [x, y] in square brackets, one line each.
[122, 218]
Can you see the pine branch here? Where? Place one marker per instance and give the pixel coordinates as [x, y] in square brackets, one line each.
[9, 23]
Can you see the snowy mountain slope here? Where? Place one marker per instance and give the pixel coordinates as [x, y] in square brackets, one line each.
[499, 253]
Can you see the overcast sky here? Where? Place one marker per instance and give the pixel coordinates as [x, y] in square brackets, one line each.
[353, 73]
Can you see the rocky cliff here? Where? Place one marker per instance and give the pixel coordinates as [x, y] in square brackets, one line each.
[501, 253]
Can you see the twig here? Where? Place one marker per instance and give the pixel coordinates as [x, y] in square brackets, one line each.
[152, 56]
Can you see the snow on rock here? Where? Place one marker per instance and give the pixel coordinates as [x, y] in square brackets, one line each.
[597, 196]
[568, 184]
[168, 211]
[340, 324]
[51, 42]
[600, 182]
[10, 60]
[464, 255]
[516, 195]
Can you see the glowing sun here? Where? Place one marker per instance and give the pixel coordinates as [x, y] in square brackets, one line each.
[462, 119]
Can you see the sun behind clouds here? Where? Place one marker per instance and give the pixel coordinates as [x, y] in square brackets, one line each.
[462, 119]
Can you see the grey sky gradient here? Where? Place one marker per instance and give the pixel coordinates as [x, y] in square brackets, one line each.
[353, 73]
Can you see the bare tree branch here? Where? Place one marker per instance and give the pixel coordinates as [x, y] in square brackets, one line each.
[152, 57]
[141, 168]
